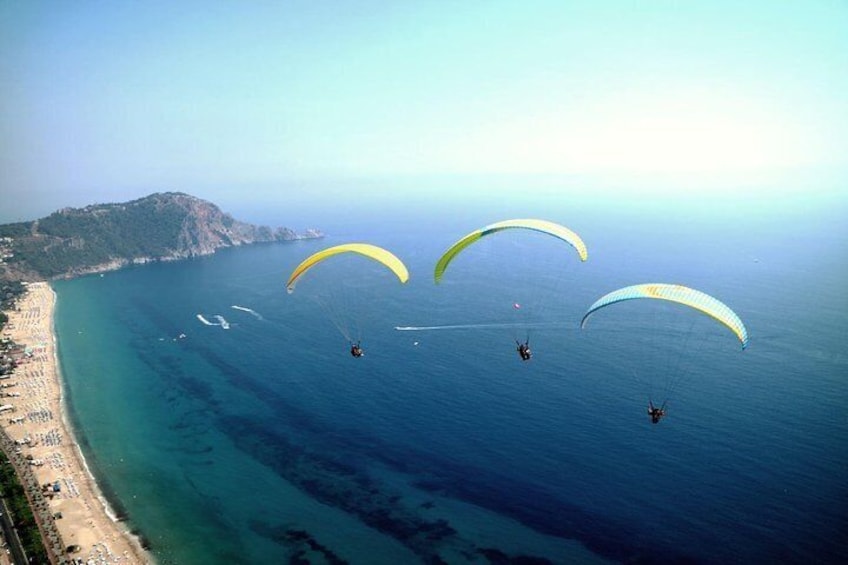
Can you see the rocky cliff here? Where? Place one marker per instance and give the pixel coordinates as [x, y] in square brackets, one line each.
[160, 227]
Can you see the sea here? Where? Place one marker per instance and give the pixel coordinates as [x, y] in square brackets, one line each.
[226, 421]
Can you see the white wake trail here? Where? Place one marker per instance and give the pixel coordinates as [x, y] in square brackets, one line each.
[250, 311]
[476, 326]
[205, 321]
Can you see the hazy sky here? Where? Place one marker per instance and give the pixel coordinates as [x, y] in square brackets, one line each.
[106, 101]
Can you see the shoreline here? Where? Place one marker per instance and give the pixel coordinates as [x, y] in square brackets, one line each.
[40, 423]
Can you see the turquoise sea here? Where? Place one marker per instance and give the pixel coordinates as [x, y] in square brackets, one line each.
[268, 443]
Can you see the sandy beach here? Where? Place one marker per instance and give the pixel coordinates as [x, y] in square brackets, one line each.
[38, 425]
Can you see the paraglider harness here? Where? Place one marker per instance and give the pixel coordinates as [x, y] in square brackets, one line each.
[355, 350]
[524, 350]
[655, 413]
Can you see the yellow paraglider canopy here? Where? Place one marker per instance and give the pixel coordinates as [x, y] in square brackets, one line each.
[371, 251]
[679, 294]
[542, 226]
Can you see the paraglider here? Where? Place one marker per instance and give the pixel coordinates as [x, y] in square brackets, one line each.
[524, 350]
[338, 312]
[542, 226]
[655, 413]
[678, 294]
[378, 254]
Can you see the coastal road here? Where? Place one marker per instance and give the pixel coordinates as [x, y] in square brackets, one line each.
[10, 534]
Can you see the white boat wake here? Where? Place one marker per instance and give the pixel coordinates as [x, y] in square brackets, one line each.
[476, 326]
[250, 311]
[205, 321]
[221, 321]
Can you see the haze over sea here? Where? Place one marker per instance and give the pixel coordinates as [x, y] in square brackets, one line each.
[267, 442]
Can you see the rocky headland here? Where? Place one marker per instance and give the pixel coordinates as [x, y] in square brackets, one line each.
[165, 226]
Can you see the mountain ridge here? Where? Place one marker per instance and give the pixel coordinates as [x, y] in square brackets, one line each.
[164, 226]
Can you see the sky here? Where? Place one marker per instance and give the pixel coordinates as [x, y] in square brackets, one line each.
[311, 102]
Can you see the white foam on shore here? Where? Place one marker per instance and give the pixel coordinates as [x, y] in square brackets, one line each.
[64, 412]
[95, 486]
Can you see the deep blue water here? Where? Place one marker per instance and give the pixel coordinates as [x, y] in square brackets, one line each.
[268, 442]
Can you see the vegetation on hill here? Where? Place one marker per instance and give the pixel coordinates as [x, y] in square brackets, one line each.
[162, 226]
[13, 493]
[10, 291]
